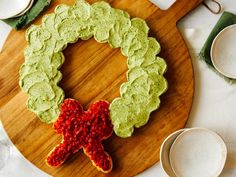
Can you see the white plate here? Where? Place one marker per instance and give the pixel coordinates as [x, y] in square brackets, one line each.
[23, 12]
[12, 8]
[223, 52]
[163, 4]
[198, 152]
[165, 150]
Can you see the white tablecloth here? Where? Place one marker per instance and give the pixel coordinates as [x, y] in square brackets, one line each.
[213, 105]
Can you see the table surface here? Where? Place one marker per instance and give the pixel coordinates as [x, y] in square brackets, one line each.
[213, 105]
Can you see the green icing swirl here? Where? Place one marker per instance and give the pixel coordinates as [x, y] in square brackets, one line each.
[40, 74]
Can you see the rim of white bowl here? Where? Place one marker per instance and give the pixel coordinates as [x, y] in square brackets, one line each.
[217, 136]
[28, 7]
[217, 67]
[17, 11]
[177, 133]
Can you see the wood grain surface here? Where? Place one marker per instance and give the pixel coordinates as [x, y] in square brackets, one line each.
[94, 71]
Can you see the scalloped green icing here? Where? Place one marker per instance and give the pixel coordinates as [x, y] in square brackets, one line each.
[40, 74]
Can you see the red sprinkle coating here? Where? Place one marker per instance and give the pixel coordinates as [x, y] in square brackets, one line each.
[83, 129]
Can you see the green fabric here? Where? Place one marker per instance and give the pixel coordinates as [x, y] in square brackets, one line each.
[28, 17]
[225, 20]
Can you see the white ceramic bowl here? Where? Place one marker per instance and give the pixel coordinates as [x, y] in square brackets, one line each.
[198, 152]
[11, 8]
[28, 7]
[223, 52]
[164, 152]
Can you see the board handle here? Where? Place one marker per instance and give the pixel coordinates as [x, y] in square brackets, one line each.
[219, 7]
[181, 8]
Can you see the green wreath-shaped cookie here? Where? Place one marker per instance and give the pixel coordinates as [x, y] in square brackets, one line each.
[39, 75]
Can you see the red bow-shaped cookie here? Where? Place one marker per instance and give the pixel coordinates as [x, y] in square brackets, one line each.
[83, 129]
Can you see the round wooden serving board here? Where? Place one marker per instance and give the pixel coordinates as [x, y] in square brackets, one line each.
[94, 71]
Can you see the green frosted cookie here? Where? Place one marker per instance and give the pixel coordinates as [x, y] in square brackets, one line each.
[39, 75]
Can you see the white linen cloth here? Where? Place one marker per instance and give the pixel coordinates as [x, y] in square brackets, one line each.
[213, 105]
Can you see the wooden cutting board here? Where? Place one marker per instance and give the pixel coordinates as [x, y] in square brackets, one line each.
[94, 71]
